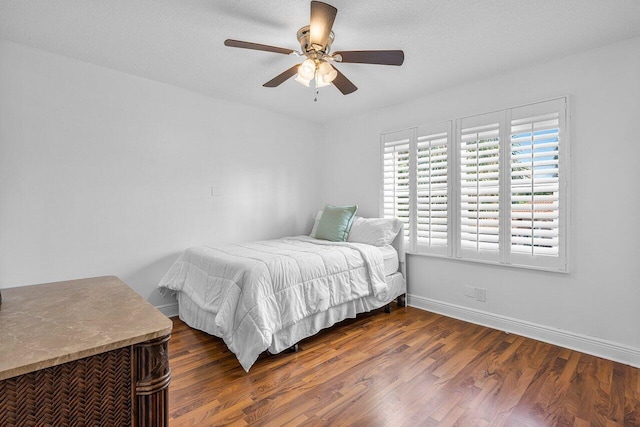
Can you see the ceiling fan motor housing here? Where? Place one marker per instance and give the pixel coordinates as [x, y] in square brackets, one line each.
[313, 51]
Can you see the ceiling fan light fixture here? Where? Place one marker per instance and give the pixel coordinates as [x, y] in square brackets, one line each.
[320, 82]
[307, 69]
[327, 72]
[302, 81]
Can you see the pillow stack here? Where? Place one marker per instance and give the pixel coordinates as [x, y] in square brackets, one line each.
[339, 224]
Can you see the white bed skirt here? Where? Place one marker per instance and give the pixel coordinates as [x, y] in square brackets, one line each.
[197, 318]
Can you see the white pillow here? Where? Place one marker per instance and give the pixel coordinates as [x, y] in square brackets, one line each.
[315, 224]
[374, 231]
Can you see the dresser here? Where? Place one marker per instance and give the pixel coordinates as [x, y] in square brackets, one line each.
[82, 352]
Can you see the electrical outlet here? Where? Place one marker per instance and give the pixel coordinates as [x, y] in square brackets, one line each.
[470, 291]
[481, 294]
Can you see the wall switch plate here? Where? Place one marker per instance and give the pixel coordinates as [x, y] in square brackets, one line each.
[215, 191]
[470, 291]
[481, 294]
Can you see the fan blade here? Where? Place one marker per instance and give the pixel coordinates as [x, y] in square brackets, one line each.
[322, 17]
[382, 57]
[256, 46]
[343, 84]
[281, 78]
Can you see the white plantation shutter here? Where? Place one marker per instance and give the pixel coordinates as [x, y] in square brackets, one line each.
[479, 210]
[396, 178]
[492, 189]
[535, 209]
[432, 188]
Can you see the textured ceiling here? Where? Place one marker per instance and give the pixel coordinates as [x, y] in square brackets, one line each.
[445, 42]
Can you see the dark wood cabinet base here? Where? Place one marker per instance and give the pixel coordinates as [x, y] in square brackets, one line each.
[152, 376]
[122, 387]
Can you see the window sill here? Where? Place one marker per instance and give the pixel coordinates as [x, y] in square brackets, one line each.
[490, 263]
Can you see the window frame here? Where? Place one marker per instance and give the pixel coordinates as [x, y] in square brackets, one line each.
[505, 256]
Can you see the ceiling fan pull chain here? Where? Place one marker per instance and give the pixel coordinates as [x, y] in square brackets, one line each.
[316, 97]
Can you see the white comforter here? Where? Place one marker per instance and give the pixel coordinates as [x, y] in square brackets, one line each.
[256, 289]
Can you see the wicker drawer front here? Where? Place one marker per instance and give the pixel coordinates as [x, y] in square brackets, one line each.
[94, 391]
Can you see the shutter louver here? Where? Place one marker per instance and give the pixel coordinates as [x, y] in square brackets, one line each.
[480, 187]
[432, 189]
[535, 185]
[396, 185]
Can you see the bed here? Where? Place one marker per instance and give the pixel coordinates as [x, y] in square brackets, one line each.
[269, 295]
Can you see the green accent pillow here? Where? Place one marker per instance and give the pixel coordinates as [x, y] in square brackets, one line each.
[335, 223]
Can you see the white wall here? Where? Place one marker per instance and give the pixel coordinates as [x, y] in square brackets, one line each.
[595, 308]
[106, 173]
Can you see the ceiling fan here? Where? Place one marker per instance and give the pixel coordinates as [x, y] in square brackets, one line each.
[315, 43]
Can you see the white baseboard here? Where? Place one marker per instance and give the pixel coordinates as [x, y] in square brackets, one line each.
[585, 344]
[169, 310]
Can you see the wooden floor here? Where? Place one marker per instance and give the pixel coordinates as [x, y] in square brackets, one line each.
[407, 368]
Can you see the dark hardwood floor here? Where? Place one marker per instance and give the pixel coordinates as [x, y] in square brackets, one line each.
[407, 368]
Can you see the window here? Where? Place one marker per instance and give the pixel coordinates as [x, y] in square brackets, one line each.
[498, 194]
[432, 188]
[479, 187]
[537, 205]
[395, 177]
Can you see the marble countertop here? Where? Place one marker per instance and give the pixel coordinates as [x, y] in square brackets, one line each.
[54, 323]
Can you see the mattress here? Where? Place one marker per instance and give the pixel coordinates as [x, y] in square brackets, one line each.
[390, 259]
